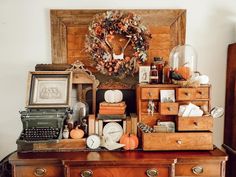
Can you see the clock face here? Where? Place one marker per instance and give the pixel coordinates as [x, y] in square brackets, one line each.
[113, 130]
[93, 141]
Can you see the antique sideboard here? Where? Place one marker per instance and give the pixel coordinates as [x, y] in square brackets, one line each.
[119, 163]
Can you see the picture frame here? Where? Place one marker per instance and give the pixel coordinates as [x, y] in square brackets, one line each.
[167, 96]
[49, 89]
[144, 74]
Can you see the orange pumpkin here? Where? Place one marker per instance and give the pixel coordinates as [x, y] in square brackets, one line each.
[130, 141]
[76, 133]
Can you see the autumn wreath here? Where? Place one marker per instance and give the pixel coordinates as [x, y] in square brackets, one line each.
[117, 41]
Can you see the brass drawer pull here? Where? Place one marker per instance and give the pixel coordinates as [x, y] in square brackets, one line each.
[197, 170]
[40, 172]
[152, 172]
[169, 109]
[86, 173]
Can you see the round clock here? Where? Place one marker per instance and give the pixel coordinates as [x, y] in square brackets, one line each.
[113, 130]
[93, 141]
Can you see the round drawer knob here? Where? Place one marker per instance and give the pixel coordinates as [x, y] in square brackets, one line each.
[197, 170]
[40, 172]
[179, 141]
[86, 173]
[152, 172]
[187, 94]
[195, 123]
[169, 109]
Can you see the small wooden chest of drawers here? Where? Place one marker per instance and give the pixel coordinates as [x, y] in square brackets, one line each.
[191, 133]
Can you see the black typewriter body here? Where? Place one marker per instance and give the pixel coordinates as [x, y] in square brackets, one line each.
[42, 125]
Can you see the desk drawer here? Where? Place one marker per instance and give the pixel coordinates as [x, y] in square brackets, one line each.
[204, 123]
[149, 93]
[177, 141]
[39, 171]
[192, 93]
[198, 169]
[154, 171]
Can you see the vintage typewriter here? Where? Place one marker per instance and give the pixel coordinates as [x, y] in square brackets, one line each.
[47, 107]
[40, 125]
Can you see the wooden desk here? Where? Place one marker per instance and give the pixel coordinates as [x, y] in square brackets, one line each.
[120, 164]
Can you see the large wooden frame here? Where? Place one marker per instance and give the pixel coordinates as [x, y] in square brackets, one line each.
[69, 28]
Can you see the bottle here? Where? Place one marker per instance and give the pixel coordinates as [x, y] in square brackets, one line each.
[158, 61]
[66, 132]
[166, 73]
[154, 74]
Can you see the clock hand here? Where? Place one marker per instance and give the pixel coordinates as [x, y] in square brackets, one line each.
[114, 132]
[92, 143]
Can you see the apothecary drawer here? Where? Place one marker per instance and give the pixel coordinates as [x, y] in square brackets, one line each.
[39, 171]
[149, 93]
[204, 123]
[168, 108]
[198, 169]
[192, 93]
[177, 141]
[117, 171]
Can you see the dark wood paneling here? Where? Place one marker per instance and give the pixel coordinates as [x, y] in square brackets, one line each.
[230, 111]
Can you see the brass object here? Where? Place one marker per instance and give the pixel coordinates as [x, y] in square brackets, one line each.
[152, 172]
[86, 173]
[197, 170]
[40, 172]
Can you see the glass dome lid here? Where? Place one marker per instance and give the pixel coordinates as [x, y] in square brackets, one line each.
[183, 60]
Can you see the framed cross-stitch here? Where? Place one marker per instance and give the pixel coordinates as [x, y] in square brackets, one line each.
[49, 89]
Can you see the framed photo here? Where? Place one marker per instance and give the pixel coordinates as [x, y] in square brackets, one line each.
[144, 74]
[167, 96]
[49, 89]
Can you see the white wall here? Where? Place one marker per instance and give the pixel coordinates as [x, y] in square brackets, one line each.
[25, 42]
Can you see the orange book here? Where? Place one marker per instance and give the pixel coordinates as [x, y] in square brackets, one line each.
[105, 104]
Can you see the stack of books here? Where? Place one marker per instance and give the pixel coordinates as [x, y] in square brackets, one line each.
[112, 110]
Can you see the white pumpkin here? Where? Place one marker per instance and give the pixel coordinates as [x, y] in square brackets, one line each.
[113, 96]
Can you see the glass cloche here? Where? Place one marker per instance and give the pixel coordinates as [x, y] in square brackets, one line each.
[183, 60]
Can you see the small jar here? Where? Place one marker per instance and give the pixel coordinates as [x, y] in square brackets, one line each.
[159, 64]
[166, 79]
[66, 132]
[153, 74]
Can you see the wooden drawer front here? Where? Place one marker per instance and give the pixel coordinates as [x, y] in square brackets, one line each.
[177, 141]
[149, 93]
[195, 123]
[120, 171]
[185, 94]
[198, 169]
[168, 108]
[192, 93]
[39, 171]
[202, 93]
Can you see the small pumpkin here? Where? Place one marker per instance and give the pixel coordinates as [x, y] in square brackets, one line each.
[130, 141]
[113, 96]
[76, 133]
